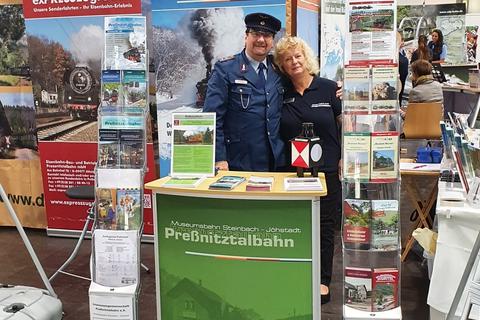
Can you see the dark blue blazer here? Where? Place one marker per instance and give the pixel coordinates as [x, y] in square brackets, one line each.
[248, 117]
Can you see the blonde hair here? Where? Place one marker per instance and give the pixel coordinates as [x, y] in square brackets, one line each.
[288, 43]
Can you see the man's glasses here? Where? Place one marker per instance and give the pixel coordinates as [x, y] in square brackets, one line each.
[259, 34]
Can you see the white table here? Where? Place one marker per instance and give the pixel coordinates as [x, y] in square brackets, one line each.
[457, 231]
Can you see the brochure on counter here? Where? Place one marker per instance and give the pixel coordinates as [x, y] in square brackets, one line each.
[303, 184]
[184, 182]
[256, 183]
[226, 183]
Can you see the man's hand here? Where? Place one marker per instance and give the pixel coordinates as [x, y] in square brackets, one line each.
[339, 91]
[221, 165]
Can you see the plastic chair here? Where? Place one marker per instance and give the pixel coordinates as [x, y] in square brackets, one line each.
[422, 120]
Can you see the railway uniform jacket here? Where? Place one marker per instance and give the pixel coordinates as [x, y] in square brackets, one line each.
[248, 117]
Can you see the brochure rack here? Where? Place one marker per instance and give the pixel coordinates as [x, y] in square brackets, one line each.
[120, 171]
[370, 177]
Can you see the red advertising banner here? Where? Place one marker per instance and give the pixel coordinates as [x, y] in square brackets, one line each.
[68, 8]
[66, 165]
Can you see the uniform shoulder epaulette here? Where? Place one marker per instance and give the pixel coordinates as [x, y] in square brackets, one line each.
[226, 58]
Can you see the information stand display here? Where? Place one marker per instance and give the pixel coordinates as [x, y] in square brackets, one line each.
[120, 171]
[371, 179]
[235, 254]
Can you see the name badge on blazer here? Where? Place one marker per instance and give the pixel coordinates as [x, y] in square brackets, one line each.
[321, 105]
[241, 81]
[291, 100]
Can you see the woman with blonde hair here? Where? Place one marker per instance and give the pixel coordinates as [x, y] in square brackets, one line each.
[309, 98]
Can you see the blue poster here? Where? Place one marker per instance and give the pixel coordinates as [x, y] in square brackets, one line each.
[188, 37]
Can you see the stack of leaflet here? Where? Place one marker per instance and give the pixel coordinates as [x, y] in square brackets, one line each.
[303, 184]
[256, 183]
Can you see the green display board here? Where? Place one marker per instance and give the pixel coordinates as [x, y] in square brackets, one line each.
[234, 259]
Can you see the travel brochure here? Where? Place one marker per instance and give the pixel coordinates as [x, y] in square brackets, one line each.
[371, 89]
[124, 91]
[125, 43]
[193, 144]
[384, 162]
[122, 148]
[119, 209]
[370, 156]
[226, 183]
[371, 290]
[356, 151]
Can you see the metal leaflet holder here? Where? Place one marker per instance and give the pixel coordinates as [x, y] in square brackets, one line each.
[120, 170]
[370, 155]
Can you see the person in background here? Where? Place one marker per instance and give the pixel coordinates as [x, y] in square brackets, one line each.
[245, 91]
[425, 88]
[309, 98]
[422, 52]
[402, 66]
[439, 49]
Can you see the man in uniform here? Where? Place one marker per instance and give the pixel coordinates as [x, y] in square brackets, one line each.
[246, 93]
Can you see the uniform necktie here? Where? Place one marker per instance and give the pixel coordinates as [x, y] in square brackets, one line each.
[261, 75]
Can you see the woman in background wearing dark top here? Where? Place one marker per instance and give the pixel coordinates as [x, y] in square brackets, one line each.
[439, 49]
[423, 52]
[309, 98]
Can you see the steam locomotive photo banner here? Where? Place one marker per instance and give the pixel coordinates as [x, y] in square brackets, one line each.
[187, 39]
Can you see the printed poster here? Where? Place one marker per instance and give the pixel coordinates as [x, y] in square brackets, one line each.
[187, 39]
[193, 144]
[421, 20]
[307, 18]
[116, 257]
[332, 42]
[66, 77]
[19, 160]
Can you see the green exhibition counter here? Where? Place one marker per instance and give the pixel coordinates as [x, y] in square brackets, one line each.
[237, 254]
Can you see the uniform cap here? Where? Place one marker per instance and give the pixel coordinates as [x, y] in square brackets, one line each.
[262, 22]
